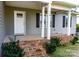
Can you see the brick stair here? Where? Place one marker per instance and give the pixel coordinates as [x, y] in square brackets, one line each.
[33, 48]
[65, 39]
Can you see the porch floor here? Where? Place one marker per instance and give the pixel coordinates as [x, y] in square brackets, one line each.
[23, 38]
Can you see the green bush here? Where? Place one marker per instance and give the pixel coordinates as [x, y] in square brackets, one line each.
[74, 41]
[11, 49]
[55, 41]
[51, 47]
[77, 27]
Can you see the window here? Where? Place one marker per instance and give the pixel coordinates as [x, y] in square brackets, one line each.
[53, 21]
[37, 20]
[71, 22]
[19, 14]
[65, 21]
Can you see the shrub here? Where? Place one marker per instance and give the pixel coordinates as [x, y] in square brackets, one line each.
[51, 47]
[77, 27]
[11, 49]
[55, 41]
[74, 41]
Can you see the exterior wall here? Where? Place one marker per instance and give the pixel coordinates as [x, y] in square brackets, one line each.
[77, 19]
[73, 28]
[2, 31]
[58, 25]
[31, 22]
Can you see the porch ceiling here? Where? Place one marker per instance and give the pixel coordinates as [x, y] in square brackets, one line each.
[37, 5]
[25, 4]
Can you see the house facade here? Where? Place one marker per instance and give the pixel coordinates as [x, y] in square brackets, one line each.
[36, 18]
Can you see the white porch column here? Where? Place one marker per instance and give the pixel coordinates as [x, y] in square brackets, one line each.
[48, 19]
[69, 18]
[43, 13]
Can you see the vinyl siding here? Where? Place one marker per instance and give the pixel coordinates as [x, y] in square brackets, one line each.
[30, 20]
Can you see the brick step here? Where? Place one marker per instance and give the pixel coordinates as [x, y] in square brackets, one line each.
[66, 39]
[33, 48]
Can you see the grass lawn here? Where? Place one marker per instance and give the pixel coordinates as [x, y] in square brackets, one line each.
[66, 51]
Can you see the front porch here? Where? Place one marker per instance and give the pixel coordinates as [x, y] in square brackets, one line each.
[32, 29]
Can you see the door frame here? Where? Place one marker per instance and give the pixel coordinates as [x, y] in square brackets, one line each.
[16, 11]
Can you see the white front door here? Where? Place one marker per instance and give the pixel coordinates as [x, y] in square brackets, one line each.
[19, 23]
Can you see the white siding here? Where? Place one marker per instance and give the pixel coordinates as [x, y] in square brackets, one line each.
[31, 25]
[73, 28]
[58, 25]
[32, 30]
